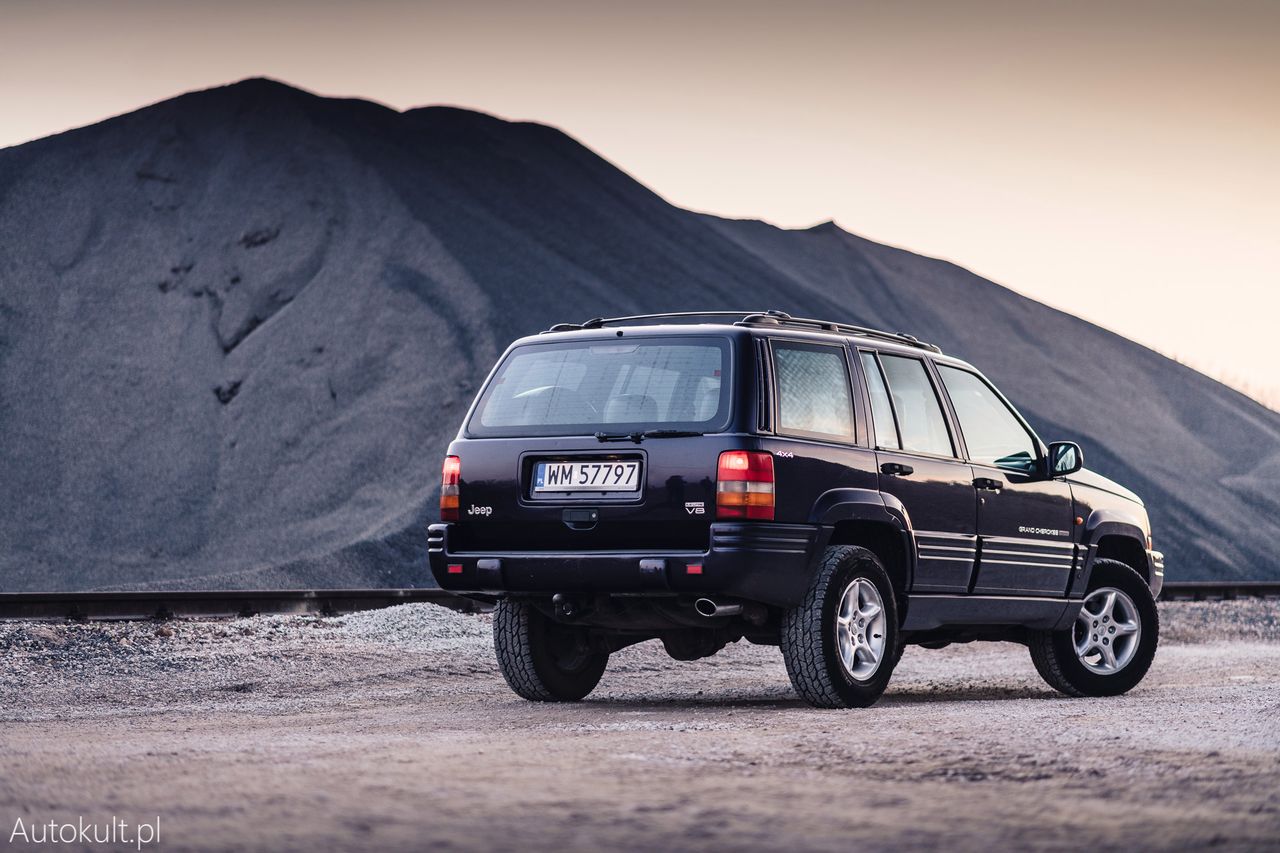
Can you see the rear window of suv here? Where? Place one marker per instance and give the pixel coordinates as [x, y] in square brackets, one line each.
[584, 387]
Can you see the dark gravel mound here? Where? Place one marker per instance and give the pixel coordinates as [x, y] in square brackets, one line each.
[237, 329]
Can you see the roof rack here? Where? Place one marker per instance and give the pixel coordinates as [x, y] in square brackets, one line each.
[753, 318]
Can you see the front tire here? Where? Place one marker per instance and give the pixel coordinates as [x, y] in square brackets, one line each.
[841, 643]
[1110, 646]
[542, 660]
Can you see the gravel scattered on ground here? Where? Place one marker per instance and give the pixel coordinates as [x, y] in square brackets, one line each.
[42, 653]
[392, 729]
[1256, 619]
[194, 661]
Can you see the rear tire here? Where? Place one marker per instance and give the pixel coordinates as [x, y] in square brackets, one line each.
[542, 660]
[1110, 646]
[841, 643]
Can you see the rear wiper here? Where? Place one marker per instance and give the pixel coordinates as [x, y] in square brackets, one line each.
[638, 437]
[671, 433]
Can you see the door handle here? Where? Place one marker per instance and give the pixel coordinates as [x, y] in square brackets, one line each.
[987, 484]
[580, 519]
[896, 468]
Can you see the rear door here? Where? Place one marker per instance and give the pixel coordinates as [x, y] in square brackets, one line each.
[919, 465]
[1025, 521]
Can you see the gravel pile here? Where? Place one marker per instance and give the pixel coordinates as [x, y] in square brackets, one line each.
[420, 627]
[239, 328]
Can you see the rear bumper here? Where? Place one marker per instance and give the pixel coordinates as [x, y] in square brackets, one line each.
[769, 563]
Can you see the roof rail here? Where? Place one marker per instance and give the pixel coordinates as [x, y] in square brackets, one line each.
[753, 318]
[779, 318]
[598, 322]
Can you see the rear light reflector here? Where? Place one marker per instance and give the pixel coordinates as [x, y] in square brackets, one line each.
[744, 485]
[693, 569]
[452, 475]
[455, 568]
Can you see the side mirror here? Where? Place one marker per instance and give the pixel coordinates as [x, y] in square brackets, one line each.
[1065, 457]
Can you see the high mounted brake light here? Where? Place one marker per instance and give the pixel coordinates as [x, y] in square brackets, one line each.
[744, 485]
[449, 488]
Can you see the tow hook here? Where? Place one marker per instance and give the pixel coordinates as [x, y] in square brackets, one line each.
[565, 607]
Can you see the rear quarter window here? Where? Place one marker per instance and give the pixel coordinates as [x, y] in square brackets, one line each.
[813, 393]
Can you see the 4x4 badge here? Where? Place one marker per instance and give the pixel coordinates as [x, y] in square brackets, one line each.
[695, 508]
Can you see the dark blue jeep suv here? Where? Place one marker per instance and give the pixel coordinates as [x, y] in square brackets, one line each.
[830, 489]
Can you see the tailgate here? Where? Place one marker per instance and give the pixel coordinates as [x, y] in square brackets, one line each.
[505, 508]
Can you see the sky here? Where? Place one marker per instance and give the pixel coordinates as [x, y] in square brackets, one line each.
[1118, 160]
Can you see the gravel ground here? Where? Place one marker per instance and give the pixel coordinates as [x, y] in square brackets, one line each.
[393, 730]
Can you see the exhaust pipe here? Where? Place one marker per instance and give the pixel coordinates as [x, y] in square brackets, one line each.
[708, 608]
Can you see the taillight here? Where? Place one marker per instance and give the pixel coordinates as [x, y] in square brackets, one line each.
[449, 488]
[744, 485]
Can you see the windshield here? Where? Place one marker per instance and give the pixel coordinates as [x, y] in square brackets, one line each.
[582, 387]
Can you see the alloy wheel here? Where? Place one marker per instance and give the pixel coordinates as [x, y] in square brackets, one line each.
[860, 629]
[1107, 632]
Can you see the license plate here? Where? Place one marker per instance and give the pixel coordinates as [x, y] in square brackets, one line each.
[586, 477]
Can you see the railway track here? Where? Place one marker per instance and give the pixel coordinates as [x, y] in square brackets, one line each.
[331, 602]
[213, 603]
[1219, 590]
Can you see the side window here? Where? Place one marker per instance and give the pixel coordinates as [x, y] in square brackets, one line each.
[921, 425]
[813, 391]
[881, 408]
[992, 433]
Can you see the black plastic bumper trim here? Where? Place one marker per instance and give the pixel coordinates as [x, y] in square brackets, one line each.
[756, 561]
